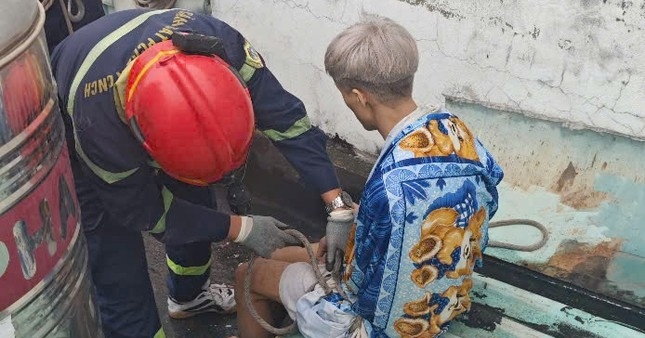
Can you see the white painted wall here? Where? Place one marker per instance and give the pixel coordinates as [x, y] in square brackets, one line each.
[578, 61]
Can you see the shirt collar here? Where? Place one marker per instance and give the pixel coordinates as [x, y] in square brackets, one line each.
[406, 121]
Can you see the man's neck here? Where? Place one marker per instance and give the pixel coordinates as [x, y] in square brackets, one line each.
[388, 116]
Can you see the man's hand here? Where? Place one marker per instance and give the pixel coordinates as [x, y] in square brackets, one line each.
[339, 224]
[264, 235]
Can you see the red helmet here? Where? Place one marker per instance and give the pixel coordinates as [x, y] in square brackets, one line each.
[192, 113]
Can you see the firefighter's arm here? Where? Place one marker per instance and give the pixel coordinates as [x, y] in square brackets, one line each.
[140, 202]
[282, 117]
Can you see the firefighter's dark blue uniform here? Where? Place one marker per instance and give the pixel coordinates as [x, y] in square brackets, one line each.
[122, 193]
[56, 28]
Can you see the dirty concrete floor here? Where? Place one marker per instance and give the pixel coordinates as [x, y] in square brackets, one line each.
[226, 256]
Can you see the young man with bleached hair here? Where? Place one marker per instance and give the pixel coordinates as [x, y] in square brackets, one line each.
[423, 219]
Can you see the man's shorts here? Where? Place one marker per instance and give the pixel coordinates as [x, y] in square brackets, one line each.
[303, 298]
[297, 280]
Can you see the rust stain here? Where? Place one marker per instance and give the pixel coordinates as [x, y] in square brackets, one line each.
[582, 264]
[577, 194]
[573, 256]
[584, 198]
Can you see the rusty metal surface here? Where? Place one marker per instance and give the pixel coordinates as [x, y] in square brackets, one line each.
[588, 188]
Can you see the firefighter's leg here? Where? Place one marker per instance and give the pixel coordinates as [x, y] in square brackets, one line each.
[189, 288]
[188, 269]
[120, 274]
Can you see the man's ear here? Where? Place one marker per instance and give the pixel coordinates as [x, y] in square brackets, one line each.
[360, 96]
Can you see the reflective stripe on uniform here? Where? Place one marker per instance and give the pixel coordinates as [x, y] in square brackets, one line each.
[167, 197]
[97, 50]
[105, 175]
[298, 128]
[188, 270]
[160, 334]
[154, 164]
[246, 72]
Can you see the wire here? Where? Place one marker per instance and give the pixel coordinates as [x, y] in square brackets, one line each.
[80, 11]
[322, 281]
[68, 20]
[47, 4]
[516, 247]
[69, 16]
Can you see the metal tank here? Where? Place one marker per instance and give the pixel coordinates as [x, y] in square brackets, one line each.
[45, 288]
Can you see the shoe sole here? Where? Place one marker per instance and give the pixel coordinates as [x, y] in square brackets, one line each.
[186, 315]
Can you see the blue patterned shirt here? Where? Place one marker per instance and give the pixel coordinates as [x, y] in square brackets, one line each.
[421, 227]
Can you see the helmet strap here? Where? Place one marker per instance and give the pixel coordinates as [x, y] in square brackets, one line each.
[200, 44]
[134, 126]
[194, 43]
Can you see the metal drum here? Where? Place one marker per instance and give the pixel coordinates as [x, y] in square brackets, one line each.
[45, 288]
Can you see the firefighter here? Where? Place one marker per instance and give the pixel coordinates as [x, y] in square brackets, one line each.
[158, 105]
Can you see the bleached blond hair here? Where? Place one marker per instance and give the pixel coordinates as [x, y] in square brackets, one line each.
[377, 55]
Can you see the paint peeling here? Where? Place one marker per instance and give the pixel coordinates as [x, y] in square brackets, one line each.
[584, 186]
[513, 312]
[576, 317]
[573, 256]
[583, 199]
[567, 177]
[578, 195]
[479, 295]
[446, 13]
[482, 317]
[583, 264]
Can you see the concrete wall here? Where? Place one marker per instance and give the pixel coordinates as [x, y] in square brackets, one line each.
[571, 61]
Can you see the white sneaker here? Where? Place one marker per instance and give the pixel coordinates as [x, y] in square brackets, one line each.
[217, 298]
